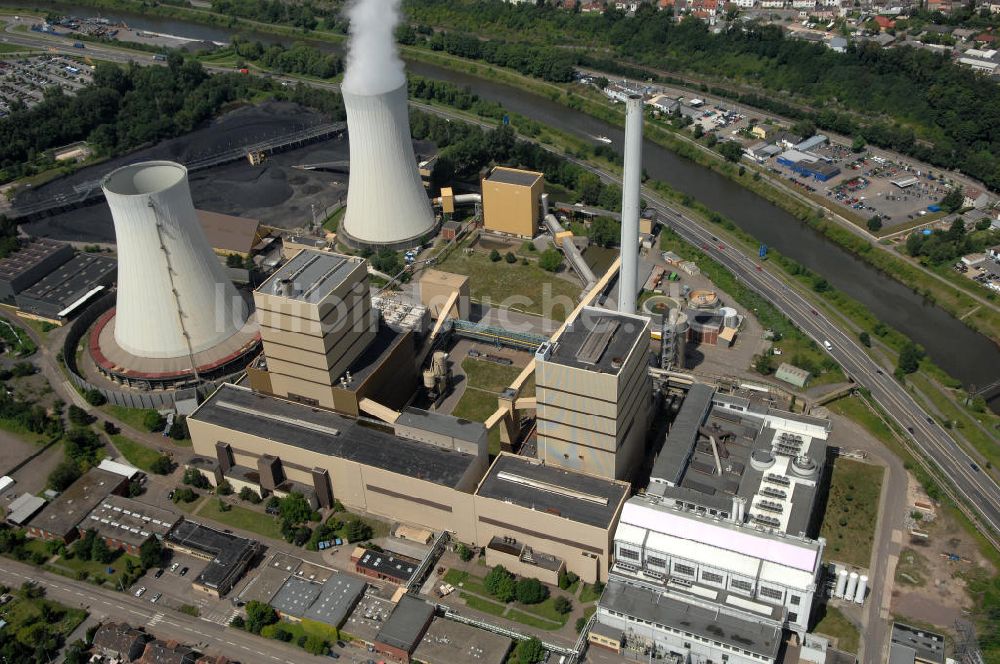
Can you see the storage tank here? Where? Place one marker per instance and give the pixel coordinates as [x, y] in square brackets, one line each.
[174, 298]
[859, 594]
[730, 317]
[841, 584]
[852, 586]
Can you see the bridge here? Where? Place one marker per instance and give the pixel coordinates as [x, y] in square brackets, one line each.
[89, 191]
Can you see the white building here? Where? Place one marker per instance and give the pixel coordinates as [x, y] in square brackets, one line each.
[772, 4]
[714, 561]
[746, 4]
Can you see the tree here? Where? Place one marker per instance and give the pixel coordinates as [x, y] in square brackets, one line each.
[909, 358]
[151, 553]
[605, 232]
[259, 616]
[500, 583]
[562, 605]
[162, 465]
[358, 531]
[550, 260]
[234, 260]
[179, 429]
[495, 256]
[530, 591]
[953, 199]
[858, 144]
[153, 421]
[804, 128]
[224, 488]
[732, 151]
[295, 509]
[712, 140]
[185, 495]
[315, 645]
[464, 552]
[698, 131]
[875, 223]
[63, 475]
[529, 651]
[762, 365]
[510, 257]
[79, 416]
[865, 339]
[581, 622]
[100, 552]
[94, 397]
[110, 428]
[249, 495]
[567, 579]
[194, 477]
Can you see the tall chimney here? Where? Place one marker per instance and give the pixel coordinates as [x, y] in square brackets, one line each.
[631, 184]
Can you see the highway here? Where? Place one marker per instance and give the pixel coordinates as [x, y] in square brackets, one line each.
[980, 493]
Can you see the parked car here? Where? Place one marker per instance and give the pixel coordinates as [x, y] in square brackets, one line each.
[140, 591]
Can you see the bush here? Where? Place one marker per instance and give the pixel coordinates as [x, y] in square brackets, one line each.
[531, 591]
[224, 488]
[581, 622]
[567, 579]
[185, 495]
[464, 552]
[357, 531]
[562, 605]
[94, 397]
[550, 260]
[162, 465]
[153, 421]
[315, 645]
[179, 429]
[110, 428]
[79, 417]
[249, 495]
[875, 224]
[193, 477]
[529, 651]
[22, 369]
[510, 257]
[63, 475]
[495, 256]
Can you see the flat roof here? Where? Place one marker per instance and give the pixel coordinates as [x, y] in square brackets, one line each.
[645, 604]
[389, 563]
[225, 232]
[314, 274]
[599, 340]
[445, 425]
[405, 625]
[683, 433]
[587, 499]
[295, 596]
[325, 432]
[70, 507]
[229, 552]
[28, 256]
[129, 521]
[71, 280]
[506, 175]
[448, 642]
[23, 508]
[336, 599]
[928, 646]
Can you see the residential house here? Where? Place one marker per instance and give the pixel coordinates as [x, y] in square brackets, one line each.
[975, 198]
[745, 4]
[120, 641]
[994, 253]
[772, 4]
[885, 23]
[168, 652]
[838, 44]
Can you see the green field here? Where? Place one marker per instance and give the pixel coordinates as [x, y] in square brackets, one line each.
[852, 512]
[589, 594]
[133, 417]
[14, 48]
[137, 454]
[836, 625]
[483, 605]
[240, 517]
[24, 615]
[526, 288]
[493, 377]
[546, 610]
[307, 627]
[532, 620]
[95, 571]
[466, 581]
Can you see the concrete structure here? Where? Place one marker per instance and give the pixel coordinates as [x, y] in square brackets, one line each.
[125, 524]
[174, 299]
[523, 560]
[512, 201]
[59, 519]
[628, 277]
[228, 555]
[594, 395]
[404, 629]
[28, 264]
[382, 160]
[436, 288]
[227, 234]
[563, 514]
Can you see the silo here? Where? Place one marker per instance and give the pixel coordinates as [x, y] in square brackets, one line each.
[859, 594]
[852, 586]
[681, 326]
[841, 583]
[174, 299]
[387, 205]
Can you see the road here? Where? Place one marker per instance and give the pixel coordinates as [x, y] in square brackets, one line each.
[208, 637]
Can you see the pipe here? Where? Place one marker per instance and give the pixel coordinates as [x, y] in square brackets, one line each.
[631, 185]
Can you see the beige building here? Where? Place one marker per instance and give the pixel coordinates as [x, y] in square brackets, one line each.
[594, 394]
[512, 201]
[437, 286]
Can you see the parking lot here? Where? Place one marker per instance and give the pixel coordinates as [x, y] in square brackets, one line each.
[172, 589]
[26, 79]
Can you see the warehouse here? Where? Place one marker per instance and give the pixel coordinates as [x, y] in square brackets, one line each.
[125, 524]
[402, 632]
[228, 555]
[60, 518]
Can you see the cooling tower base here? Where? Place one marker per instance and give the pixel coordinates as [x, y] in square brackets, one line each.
[409, 243]
[124, 368]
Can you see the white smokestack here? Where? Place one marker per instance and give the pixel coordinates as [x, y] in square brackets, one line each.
[168, 278]
[631, 185]
[387, 205]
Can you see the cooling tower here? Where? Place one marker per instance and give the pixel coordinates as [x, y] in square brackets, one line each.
[386, 202]
[628, 283]
[174, 298]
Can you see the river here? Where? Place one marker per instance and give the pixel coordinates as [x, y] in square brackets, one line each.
[965, 354]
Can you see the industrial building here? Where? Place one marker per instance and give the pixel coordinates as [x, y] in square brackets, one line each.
[323, 345]
[384, 565]
[59, 519]
[716, 559]
[23, 508]
[401, 633]
[47, 279]
[914, 645]
[328, 602]
[435, 289]
[808, 165]
[594, 394]
[228, 235]
[228, 555]
[125, 524]
[512, 201]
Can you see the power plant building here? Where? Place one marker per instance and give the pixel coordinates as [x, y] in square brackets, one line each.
[512, 201]
[594, 394]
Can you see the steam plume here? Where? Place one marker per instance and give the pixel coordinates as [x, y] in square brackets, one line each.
[373, 64]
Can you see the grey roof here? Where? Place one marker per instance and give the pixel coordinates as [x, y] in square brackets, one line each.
[388, 563]
[313, 273]
[71, 280]
[339, 595]
[313, 430]
[296, 596]
[929, 646]
[406, 624]
[511, 176]
[129, 521]
[598, 340]
[62, 515]
[554, 490]
[23, 508]
[30, 255]
[900, 654]
[230, 553]
[672, 460]
[645, 604]
[445, 425]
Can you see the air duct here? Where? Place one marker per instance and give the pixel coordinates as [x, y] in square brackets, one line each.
[628, 283]
[173, 295]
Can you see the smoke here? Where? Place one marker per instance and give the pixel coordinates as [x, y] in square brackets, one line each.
[373, 64]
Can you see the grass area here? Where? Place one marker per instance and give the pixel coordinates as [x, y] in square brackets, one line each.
[482, 605]
[95, 572]
[852, 512]
[23, 433]
[242, 518]
[22, 613]
[307, 627]
[590, 593]
[836, 625]
[333, 221]
[41, 327]
[477, 405]
[137, 454]
[526, 288]
[466, 581]
[546, 610]
[15, 48]
[532, 620]
[133, 417]
[379, 528]
[911, 570]
[193, 506]
[493, 377]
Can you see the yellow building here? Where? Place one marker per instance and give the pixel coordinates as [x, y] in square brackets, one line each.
[512, 201]
[437, 286]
